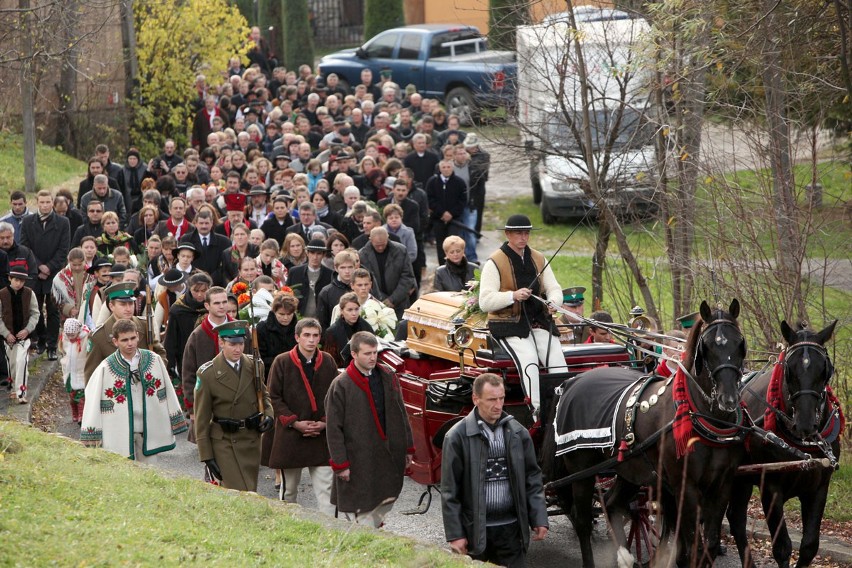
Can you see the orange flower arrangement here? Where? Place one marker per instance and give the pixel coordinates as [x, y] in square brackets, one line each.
[239, 288]
[287, 290]
[243, 299]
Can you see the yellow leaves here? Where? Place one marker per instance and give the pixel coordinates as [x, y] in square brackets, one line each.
[176, 40]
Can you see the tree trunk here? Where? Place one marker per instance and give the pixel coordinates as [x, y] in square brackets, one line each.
[607, 217]
[689, 106]
[599, 260]
[27, 101]
[67, 88]
[789, 255]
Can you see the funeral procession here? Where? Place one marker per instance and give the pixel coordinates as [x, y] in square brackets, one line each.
[426, 282]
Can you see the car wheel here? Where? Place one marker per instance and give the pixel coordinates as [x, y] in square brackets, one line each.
[460, 102]
[535, 181]
[546, 215]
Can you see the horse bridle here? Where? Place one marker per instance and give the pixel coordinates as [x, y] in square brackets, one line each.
[720, 340]
[806, 361]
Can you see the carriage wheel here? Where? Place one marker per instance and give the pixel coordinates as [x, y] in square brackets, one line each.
[645, 529]
[643, 537]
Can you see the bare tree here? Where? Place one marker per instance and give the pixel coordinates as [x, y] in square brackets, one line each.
[584, 101]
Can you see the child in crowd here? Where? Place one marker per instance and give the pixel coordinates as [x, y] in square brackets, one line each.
[268, 263]
[121, 255]
[19, 311]
[72, 343]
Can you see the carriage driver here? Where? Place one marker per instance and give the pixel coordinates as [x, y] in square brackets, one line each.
[519, 323]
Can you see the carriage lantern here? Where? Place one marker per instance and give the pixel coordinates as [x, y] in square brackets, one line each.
[460, 337]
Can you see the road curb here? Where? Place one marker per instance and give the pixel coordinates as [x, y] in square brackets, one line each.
[829, 546]
[40, 372]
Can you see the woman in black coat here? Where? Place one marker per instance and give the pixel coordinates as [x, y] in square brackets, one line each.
[456, 272]
[336, 339]
[134, 172]
[277, 334]
[320, 200]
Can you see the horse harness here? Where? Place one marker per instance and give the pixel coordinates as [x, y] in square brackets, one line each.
[831, 427]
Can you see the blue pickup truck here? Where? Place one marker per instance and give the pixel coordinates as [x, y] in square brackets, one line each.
[448, 62]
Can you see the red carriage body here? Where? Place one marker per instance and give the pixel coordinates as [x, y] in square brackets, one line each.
[436, 388]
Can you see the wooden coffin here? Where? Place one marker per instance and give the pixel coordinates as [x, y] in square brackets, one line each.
[430, 319]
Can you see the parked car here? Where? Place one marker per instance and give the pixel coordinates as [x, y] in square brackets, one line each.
[449, 62]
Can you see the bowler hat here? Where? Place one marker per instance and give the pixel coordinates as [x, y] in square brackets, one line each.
[519, 222]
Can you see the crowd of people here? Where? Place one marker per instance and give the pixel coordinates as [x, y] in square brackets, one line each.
[299, 215]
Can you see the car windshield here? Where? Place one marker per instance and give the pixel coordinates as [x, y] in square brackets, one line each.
[634, 131]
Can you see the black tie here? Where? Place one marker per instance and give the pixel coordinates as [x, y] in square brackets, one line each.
[204, 242]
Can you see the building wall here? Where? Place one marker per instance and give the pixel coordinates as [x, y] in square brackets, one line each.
[100, 78]
[475, 12]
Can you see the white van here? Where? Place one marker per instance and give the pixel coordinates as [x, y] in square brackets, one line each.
[550, 114]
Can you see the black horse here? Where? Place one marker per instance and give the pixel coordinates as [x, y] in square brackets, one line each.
[693, 488]
[802, 378]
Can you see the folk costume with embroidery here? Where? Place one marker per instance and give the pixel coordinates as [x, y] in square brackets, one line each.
[117, 396]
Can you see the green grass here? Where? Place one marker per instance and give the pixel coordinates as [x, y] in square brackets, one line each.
[66, 505]
[839, 504]
[53, 168]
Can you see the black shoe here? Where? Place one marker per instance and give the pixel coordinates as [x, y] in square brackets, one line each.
[40, 349]
[51, 355]
[723, 549]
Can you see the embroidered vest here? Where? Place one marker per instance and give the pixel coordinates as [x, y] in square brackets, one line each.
[6, 305]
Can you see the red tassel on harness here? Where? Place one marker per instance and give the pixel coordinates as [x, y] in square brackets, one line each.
[774, 396]
[682, 427]
[623, 447]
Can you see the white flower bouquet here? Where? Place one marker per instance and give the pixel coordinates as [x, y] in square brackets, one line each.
[380, 317]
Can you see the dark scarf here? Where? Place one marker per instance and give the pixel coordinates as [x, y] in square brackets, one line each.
[458, 270]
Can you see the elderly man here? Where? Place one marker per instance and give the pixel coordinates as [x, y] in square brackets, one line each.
[422, 161]
[491, 487]
[369, 438]
[112, 199]
[520, 323]
[228, 422]
[14, 251]
[388, 261]
[48, 236]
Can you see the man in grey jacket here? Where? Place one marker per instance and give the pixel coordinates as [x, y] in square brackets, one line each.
[491, 488]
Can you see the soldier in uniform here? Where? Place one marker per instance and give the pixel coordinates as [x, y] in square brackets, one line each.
[228, 426]
[121, 299]
[572, 301]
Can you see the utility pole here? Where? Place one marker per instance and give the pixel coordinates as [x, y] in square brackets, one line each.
[27, 102]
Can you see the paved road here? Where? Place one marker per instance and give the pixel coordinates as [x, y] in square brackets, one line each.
[560, 549]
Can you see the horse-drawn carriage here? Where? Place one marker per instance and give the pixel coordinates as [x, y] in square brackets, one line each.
[654, 456]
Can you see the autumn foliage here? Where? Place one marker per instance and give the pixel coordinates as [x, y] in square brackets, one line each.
[176, 41]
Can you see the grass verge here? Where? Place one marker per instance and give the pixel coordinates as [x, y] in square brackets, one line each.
[66, 505]
[52, 166]
[839, 505]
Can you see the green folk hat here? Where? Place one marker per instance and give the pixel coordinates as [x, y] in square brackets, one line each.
[122, 292]
[234, 331]
[688, 320]
[573, 296]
